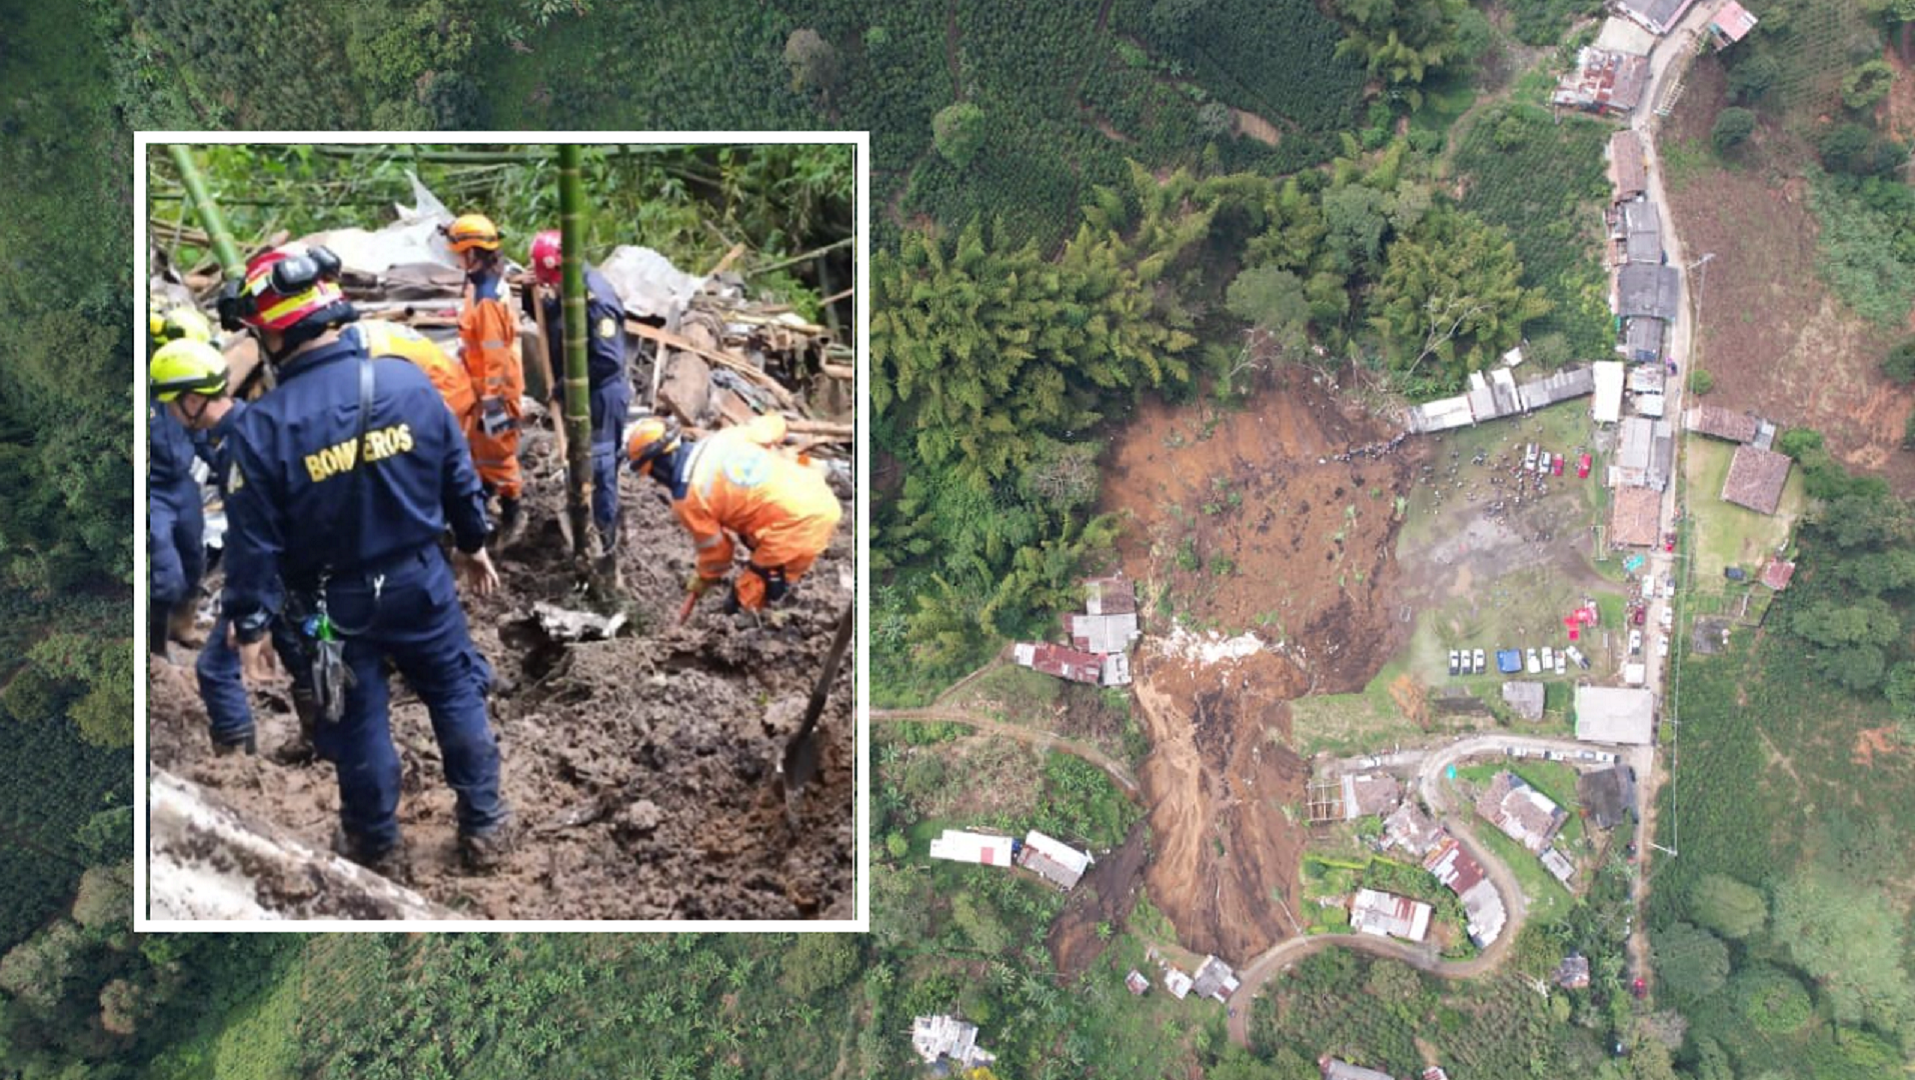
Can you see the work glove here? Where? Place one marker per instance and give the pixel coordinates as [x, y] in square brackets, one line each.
[699, 585]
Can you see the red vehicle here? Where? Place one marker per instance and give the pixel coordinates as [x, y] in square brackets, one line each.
[1639, 988]
[1582, 467]
[1641, 614]
[1556, 466]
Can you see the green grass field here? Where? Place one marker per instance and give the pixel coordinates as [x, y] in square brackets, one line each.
[1726, 534]
[258, 1042]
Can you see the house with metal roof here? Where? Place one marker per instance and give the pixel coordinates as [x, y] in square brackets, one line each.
[1409, 829]
[1639, 226]
[957, 845]
[1608, 796]
[1655, 16]
[938, 1038]
[1642, 340]
[1214, 979]
[1464, 876]
[1647, 290]
[1609, 378]
[1559, 865]
[1615, 714]
[1730, 24]
[1778, 573]
[1053, 860]
[1606, 82]
[1338, 1069]
[1074, 665]
[1756, 478]
[1388, 915]
[1627, 172]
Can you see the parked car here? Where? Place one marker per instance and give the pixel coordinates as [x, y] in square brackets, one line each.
[1577, 655]
[1562, 666]
[1529, 456]
[1668, 618]
[1549, 658]
[1668, 587]
[1582, 467]
[1455, 667]
[1535, 665]
[1556, 466]
[1635, 642]
[1662, 645]
[1542, 462]
[1481, 665]
[1639, 616]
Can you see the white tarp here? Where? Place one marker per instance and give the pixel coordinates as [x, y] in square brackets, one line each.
[649, 284]
[1609, 381]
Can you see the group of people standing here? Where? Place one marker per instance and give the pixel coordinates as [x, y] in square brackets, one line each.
[358, 486]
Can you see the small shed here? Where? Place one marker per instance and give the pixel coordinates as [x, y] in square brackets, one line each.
[1778, 573]
[1136, 983]
[1177, 983]
[1730, 24]
[1114, 595]
[1609, 379]
[1756, 478]
[1615, 714]
[1526, 698]
[1573, 972]
[1558, 865]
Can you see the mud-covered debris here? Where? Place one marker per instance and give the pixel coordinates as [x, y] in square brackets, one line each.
[561, 624]
[639, 819]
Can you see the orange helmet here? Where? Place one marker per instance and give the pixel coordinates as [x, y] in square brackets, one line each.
[652, 438]
[469, 231]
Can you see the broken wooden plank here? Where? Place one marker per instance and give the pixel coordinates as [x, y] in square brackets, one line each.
[685, 387]
[717, 356]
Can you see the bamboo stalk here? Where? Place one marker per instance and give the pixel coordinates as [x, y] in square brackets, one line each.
[578, 408]
[839, 371]
[231, 265]
[795, 259]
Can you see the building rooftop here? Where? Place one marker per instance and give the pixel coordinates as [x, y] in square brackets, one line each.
[1410, 829]
[1065, 663]
[1522, 813]
[1626, 168]
[935, 1037]
[1370, 793]
[1659, 16]
[1778, 573]
[1053, 859]
[1642, 232]
[1214, 979]
[1642, 340]
[957, 845]
[1573, 972]
[1388, 915]
[1720, 422]
[1526, 698]
[1609, 379]
[1647, 289]
[1731, 23]
[1615, 714]
[1603, 81]
[1114, 595]
[1756, 477]
[1338, 1069]
[1608, 796]
[1635, 516]
[1102, 633]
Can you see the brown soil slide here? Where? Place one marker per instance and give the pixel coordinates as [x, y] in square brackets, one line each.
[642, 767]
[1312, 549]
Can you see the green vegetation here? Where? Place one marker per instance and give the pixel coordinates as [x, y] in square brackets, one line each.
[1726, 534]
[1278, 60]
[1543, 181]
[1732, 126]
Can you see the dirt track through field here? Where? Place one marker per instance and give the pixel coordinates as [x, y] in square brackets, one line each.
[665, 741]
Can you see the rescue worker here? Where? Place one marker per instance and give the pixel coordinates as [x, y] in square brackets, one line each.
[489, 339]
[611, 384]
[734, 482]
[383, 338]
[175, 516]
[342, 481]
[188, 377]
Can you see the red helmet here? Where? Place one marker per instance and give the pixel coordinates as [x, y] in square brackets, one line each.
[546, 252]
[285, 286]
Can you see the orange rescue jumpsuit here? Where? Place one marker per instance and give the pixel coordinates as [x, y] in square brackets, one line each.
[784, 511]
[452, 382]
[490, 336]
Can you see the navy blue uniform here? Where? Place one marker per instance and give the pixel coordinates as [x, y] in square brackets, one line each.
[610, 382]
[175, 518]
[369, 551]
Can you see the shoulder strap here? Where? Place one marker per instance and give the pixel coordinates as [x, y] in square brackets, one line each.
[359, 464]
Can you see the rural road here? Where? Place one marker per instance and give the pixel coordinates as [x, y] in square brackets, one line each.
[1430, 766]
[1043, 740]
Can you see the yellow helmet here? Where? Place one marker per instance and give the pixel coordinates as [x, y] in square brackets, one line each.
[472, 231]
[186, 366]
[178, 323]
[652, 438]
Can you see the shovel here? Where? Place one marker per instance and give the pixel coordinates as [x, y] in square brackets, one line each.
[801, 753]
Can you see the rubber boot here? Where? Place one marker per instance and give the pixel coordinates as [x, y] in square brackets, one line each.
[299, 749]
[391, 864]
[483, 851]
[248, 746]
[511, 521]
[182, 624]
[156, 618]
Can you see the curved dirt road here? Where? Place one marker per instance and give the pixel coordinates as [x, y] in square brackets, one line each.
[1430, 768]
[1043, 740]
